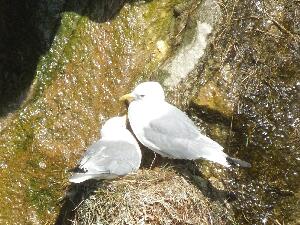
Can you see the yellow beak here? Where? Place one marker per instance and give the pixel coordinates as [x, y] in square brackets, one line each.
[128, 97]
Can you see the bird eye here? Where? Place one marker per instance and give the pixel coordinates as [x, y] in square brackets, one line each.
[142, 96]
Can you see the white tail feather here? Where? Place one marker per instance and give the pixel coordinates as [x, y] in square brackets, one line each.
[81, 177]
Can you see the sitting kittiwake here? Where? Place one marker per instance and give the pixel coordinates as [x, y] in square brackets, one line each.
[116, 154]
[167, 130]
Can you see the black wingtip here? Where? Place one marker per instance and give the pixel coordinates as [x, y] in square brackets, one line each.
[77, 170]
[238, 162]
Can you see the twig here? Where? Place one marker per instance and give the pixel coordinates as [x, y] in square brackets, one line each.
[265, 32]
[277, 222]
[283, 29]
[80, 203]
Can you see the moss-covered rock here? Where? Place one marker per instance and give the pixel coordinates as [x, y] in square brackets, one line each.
[243, 93]
[99, 50]
[248, 92]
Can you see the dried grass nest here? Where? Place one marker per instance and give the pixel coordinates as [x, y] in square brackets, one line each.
[157, 196]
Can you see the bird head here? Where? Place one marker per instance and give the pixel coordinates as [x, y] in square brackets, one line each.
[113, 124]
[147, 90]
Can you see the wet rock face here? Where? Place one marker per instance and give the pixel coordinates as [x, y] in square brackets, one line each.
[89, 53]
[80, 56]
[96, 54]
[251, 80]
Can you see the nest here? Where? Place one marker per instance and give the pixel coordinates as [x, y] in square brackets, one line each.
[159, 196]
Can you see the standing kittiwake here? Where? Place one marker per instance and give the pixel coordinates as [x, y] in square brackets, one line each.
[116, 154]
[167, 130]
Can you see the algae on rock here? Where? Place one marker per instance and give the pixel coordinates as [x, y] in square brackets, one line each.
[250, 81]
[99, 51]
[160, 196]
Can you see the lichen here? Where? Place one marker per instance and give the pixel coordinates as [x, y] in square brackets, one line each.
[188, 56]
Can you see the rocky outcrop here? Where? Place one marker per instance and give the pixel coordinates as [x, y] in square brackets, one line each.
[249, 85]
[233, 67]
[90, 54]
[99, 51]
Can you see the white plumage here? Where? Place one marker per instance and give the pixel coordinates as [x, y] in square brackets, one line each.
[116, 154]
[167, 130]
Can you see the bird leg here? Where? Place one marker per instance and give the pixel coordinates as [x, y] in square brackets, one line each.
[152, 163]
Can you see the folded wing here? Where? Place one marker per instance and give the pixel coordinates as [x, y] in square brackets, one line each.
[107, 160]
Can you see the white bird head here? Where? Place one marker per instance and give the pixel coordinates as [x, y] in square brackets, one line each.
[147, 90]
[112, 125]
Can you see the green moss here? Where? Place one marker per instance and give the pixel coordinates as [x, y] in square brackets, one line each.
[60, 116]
[55, 59]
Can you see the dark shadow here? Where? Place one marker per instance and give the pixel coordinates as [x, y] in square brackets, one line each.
[20, 47]
[27, 30]
[237, 125]
[208, 115]
[75, 195]
[190, 170]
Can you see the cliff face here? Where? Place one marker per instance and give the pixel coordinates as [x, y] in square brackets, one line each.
[250, 83]
[233, 67]
[84, 56]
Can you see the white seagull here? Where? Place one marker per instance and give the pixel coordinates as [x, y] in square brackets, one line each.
[168, 131]
[116, 154]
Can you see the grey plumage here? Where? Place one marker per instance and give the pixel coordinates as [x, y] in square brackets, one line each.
[167, 130]
[116, 154]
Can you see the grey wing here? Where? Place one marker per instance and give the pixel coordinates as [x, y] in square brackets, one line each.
[176, 136]
[175, 123]
[92, 150]
[111, 157]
